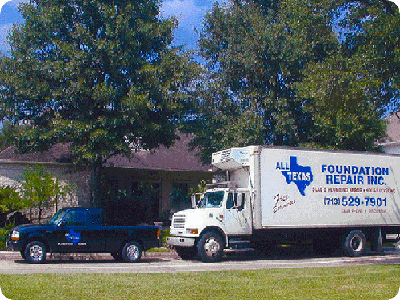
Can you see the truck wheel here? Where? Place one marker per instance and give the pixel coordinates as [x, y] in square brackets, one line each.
[210, 247]
[132, 252]
[35, 252]
[185, 253]
[354, 243]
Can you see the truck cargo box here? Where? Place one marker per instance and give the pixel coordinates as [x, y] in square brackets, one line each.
[308, 188]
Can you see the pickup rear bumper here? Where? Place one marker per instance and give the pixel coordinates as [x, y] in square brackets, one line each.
[181, 241]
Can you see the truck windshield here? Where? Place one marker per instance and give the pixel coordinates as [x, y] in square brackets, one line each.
[57, 217]
[212, 199]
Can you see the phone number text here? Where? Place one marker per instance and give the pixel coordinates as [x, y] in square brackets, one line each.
[355, 201]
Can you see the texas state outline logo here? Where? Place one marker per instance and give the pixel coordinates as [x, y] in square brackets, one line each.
[301, 176]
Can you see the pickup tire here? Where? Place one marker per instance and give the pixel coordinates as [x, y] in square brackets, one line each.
[210, 247]
[132, 252]
[35, 252]
[354, 243]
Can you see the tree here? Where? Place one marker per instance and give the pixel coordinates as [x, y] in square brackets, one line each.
[41, 190]
[10, 200]
[281, 73]
[352, 90]
[255, 51]
[7, 134]
[98, 75]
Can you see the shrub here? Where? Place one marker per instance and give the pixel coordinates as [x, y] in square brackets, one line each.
[3, 236]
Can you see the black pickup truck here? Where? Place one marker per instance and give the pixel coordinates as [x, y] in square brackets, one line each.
[82, 230]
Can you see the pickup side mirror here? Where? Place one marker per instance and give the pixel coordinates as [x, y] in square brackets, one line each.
[62, 223]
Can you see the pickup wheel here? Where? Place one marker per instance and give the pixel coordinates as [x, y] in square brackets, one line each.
[132, 252]
[35, 252]
[210, 247]
[354, 243]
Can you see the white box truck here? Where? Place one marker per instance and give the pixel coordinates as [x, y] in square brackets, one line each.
[272, 195]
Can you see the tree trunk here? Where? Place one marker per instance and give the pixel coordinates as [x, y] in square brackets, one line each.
[95, 186]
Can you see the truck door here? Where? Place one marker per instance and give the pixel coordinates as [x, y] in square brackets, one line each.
[79, 231]
[238, 214]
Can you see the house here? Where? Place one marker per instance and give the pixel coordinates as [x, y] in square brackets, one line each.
[391, 144]
[145, 188]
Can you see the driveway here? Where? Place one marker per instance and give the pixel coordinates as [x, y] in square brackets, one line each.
[169, 263]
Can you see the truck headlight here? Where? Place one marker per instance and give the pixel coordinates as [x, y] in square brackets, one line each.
[192, 231]
[14, 235]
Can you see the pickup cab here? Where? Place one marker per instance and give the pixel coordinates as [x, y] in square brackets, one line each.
[82, 230]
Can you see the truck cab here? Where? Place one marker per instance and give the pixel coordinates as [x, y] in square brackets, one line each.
[221, 218]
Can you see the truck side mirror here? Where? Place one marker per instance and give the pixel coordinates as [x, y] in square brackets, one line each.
[62, 223]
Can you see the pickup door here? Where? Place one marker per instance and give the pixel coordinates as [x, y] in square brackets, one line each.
[80, 230]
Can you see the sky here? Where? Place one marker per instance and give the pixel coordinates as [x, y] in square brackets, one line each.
[190, 14]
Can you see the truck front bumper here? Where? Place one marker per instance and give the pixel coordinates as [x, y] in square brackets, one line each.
[181, 241]
[14, 245]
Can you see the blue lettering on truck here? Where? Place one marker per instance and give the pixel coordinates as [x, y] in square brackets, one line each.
[73, 237]
[300, 175]
[355, 174]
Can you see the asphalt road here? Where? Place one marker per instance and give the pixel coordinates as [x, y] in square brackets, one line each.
[170, 264]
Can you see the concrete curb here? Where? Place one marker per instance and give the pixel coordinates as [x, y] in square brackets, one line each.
[12, 255]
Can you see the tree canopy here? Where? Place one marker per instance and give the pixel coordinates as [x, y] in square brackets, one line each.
[297, 73]
[99, 75]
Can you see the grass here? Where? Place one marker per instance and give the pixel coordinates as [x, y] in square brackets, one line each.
[158, 250]
[361, 282]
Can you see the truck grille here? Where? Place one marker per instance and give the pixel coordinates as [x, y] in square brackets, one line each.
[179, 221]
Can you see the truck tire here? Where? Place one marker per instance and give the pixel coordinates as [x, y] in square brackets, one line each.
[354, 243]
[35, 252]
[132, 252]
[186, 253]
[210, 247]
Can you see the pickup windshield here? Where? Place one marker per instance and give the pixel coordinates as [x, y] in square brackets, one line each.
[57, 217]
[211, 199]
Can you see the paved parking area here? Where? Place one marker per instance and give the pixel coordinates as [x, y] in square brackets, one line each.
[170, 263]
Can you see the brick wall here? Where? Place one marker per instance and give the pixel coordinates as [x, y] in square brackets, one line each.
[11, 173]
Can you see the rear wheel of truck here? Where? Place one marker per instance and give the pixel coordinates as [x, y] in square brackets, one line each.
[35, 252]
[210, 247]
[186, 253]
[132, 252]
[354, 243]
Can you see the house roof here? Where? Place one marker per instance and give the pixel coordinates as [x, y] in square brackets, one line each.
[57, 154]
[176, 158]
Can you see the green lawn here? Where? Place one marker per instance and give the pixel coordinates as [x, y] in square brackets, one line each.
[363, 282]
